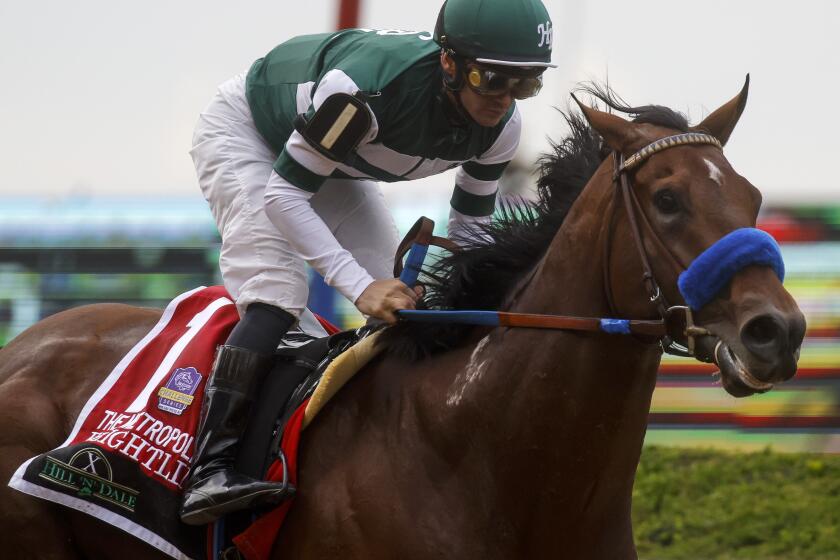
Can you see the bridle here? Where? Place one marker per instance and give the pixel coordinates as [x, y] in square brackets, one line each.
[621, 182]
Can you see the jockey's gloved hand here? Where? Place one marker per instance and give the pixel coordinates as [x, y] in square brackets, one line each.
[383, 298]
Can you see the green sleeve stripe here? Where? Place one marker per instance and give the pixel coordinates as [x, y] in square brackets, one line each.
[296, 174]
[475, 205]
[483, 172]
[360, 164]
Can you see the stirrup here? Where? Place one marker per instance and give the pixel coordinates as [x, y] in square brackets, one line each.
[286, 486]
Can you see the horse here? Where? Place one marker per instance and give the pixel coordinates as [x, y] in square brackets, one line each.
[478, 442]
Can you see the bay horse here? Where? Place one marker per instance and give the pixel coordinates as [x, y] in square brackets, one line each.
[501, 442]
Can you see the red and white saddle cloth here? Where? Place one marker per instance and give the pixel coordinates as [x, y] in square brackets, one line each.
[131, 447]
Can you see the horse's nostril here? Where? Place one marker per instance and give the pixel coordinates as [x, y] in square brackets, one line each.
[765, 336]
[762, 330]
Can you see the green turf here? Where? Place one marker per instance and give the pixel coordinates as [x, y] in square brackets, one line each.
[704, 504]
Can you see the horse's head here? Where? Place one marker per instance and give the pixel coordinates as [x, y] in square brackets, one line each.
[685, 199]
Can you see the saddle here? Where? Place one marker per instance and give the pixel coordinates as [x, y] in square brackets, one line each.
[301, 361]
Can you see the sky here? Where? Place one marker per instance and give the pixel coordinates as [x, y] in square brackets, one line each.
[100, 97]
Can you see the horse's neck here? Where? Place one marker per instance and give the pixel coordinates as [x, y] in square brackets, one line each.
[571, 408]
[569, 279]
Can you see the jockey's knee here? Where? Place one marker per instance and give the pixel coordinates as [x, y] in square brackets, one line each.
[261, 328]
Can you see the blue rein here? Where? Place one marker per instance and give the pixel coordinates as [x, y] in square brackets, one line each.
[409, 275]
[707, 275]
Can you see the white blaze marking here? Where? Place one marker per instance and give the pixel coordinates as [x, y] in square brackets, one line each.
[471, 373]
[714, 173]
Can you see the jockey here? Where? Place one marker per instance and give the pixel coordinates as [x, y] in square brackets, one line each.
[288, 156]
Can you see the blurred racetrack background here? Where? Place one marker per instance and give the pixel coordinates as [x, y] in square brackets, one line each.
[98, 199]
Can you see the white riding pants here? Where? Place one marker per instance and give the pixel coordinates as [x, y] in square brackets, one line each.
[233, 163]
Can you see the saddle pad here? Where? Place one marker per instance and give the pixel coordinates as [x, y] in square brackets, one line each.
[130, 450]
[339, 372]
[131, 447]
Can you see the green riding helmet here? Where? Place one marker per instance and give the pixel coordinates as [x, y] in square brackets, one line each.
[511, 33]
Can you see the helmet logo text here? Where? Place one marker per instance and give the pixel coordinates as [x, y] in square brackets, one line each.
[546, 33]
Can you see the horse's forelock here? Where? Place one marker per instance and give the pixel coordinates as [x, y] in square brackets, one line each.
[643, 114]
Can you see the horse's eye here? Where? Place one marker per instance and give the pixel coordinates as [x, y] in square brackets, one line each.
[666, 201]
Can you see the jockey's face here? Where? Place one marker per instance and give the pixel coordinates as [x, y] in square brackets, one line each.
[486, 110]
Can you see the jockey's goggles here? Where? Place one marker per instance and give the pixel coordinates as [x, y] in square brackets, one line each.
[491, 81]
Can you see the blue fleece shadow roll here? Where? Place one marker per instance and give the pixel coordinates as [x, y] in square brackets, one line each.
[716, 266]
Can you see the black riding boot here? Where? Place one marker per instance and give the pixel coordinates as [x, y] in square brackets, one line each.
[214, 488]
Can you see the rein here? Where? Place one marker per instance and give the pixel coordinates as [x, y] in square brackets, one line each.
[698, 283]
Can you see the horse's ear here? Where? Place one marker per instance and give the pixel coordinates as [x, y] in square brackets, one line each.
[618, 133]
[721, 123]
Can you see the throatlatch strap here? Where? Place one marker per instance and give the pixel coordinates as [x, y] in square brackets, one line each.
[714, 268]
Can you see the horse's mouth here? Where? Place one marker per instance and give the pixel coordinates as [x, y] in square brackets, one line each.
[737, 377]
[734, 375]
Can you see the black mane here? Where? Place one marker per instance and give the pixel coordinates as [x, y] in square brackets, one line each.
[480, 276]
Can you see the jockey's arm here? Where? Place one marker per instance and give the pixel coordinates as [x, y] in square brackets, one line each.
[288, 207]
[471, 206]
[477, 184]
